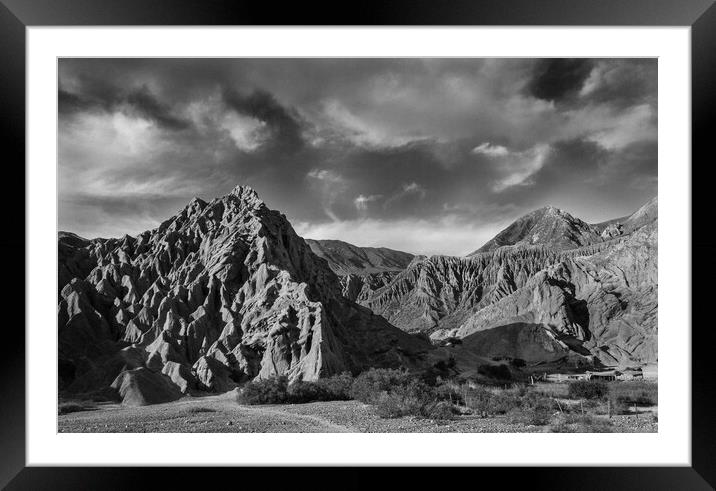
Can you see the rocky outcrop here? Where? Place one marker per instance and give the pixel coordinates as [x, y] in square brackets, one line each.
[141, 386]
[222, 292]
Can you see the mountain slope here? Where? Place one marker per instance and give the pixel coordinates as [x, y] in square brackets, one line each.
[546, 226]
[222, 292]
[344, 258]
[627, 224]
[598, 300]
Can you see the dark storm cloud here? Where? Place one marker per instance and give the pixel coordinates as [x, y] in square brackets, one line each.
[104, 97]
[147, 106]
[393, 152]
[556, 78]
[263, 106]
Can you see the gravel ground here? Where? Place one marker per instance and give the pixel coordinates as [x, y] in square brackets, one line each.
[221, 414]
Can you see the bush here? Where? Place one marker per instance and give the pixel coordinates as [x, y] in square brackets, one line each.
[272, 390]
[497, 372]
[414, 399]
[277, 390]
[489, 403]
[337, 387]
[587, 389]
[301, 392]
[369, 385]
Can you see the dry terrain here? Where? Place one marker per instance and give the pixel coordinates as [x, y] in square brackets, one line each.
[222, 414]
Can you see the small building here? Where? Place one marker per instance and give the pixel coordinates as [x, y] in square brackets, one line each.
[631, 374]
[606, 376]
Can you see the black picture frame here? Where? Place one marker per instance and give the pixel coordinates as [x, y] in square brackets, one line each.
[17, 15]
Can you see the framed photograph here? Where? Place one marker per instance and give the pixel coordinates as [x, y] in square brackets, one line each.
[419, 235]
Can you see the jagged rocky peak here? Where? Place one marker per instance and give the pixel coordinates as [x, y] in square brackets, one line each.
[222, 292]
[549, 226]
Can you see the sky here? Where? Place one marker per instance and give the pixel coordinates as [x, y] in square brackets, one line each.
[429, 156]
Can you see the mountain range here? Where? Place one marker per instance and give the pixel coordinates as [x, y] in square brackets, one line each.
[225, 291]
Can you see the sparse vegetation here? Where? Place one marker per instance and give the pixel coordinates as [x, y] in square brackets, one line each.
[428, 394]
[588, 389]
[635, 392]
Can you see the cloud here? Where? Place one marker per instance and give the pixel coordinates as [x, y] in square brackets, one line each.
[361, 201]
[332, 141]
[248, 133]
[491, 150]
[346, 125]
[515, 168]
[557, 78]
[636, 124]
[259, 105]
[139, 103]
[331, 186]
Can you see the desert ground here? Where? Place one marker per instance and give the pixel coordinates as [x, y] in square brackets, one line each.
[222, 414]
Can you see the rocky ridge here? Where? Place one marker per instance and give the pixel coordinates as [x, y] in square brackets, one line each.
[222, 292]
[597, 301]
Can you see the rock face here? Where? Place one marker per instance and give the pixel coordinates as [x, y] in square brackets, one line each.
[222, 292]
[598, 301]
[549, 226]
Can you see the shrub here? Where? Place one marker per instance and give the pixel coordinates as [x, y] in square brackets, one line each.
[449, 392]
[272, 390]
[369, 385]
[488, 402]
[414, 399]
[441, 410]
[337, 387]
[497, 372]
[587, 389]
[518, 362]
[301, 392]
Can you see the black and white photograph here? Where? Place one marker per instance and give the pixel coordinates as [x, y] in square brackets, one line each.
[357, 245]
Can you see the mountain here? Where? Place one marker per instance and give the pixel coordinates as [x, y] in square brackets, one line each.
[596, 301]
[222, 292]
[548, 226]
[625, 225]
[361, 270]
[344, 258]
